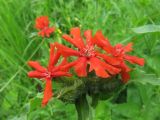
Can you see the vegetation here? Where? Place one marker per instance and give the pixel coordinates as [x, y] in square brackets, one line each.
[122, 21]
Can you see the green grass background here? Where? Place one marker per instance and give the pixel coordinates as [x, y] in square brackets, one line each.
[19, 97]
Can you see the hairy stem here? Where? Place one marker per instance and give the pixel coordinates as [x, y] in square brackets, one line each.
[82, 107]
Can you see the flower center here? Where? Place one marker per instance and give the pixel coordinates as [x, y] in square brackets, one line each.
[47, 74]
[88, 51]
[118, 52]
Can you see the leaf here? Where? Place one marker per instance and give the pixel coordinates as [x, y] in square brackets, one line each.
[146, 29]
[21, 117]
[35, 103]
[140, 94]
[143, 78]
[145, 98]
[146, 92]
[69, 93]
[11, 99]
[133, 95]
[153, 63]
[125, 110]
[103, 111]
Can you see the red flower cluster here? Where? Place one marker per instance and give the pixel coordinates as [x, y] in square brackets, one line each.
[42, 24]
[88, 58]
[87, 54]
[119, 52]
[50, 72]
[105, 65]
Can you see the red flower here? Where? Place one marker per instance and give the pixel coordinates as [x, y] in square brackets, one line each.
[87, 54]
[42, 24]
[119, 52]
[50, 72]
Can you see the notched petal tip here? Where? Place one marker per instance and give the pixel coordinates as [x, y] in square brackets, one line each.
[128, 47]
[88, 36]
[47, 92]
[141, 61]
[135, 60]
[99, 69]
[35, 74]
[81, 66]
[75, 31]
[109, 59]
[36, 65]
[41, 22]
[66, 51]
[125, 77]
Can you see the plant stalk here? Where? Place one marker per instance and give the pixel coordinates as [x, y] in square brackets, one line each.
[82, 108]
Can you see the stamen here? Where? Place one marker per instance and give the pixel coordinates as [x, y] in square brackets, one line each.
[88, 51]
[118, 51]
[47, 74]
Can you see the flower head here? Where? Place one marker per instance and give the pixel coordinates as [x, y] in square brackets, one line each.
[50, 72]
[119, 52]
[87, 55]
[42, 24]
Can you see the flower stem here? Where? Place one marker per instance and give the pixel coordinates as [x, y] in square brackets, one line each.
[82, 108]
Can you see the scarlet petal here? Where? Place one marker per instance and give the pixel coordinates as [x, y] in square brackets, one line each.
[135, 60]
[99, 69]
[111, 69]
[76, 40]
[108, 49]
[128, 47]
[41, 33]
[35, 74]
[56, 68]
[64, 61]
[67, 66]
[91, 68]
[102, 42]
[69, 39]
[81, 67]
[124, 67]
[88, 36]
[125, 76]
[46, 32]
[61, 73]
[54, 56]
[108, 59]
[49, 31]
[51, 56]
[65, 51]
[42, 22]
[76, 33]
[36, 65]
[100, 39]
[47, 92]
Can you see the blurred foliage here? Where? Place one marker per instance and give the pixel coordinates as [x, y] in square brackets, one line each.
[121, 21]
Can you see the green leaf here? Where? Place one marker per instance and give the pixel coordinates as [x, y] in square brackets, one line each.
[35, 103]
[21, 117]
[125, 110]
[143, 78]
[133, 95]
[146, 29]
[103, 111]
[70, 91]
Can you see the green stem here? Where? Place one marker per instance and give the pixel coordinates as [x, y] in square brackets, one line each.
[82, 108]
